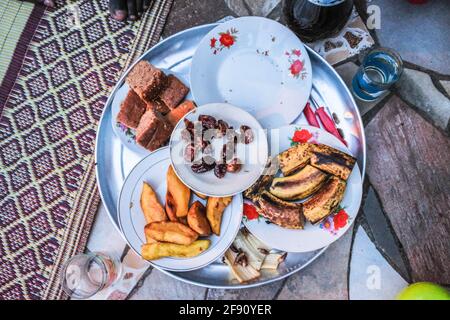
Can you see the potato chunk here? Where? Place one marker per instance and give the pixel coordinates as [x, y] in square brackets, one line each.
[214, 211]
[169, 231]
[152, 209]
[160, 250]
[196, 219]
[178, 196]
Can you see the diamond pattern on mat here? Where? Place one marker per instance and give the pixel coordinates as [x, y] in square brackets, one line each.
[7, 272]
[35, 285]
[6, 130]
[68, 96]
[39, 226]
[95, 31]
[59, 213]
[8, 213]
[90, 85]
[59, 74]
[27, 262]
[24, 118]
[34, 141]
[81, 62]
[61, 21]
[42, 164]
[65, 153]
[47, 134]
[78, 119]
[73, 41]
[96, 108]
[47, 107]
[50, 52]
[4, 190]
[110, 72]
[56, 129]
[87, 10]
[16, 237]
[19, 176]
[72, 177]
[48, 251]
[86, 141]
[51, 189]
[14, 292]
[10, 153]
[30, 200]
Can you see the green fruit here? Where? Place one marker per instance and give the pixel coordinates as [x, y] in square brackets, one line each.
[424, 291]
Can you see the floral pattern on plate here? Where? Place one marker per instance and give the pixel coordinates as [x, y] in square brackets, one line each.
[296, 64]
[226, 40]
[335, 222]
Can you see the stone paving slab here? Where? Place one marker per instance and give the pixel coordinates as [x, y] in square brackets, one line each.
[325, 278]
[371, 276]
[158, 286]
[382, 233]
[408, 165]
[417, 89]
[418, 32]
[267, 292]
[189, 13]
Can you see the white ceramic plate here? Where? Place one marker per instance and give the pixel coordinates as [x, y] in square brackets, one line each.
[313, 237]
[153, 169]
[256, 64]
[126, 135]
[253, 155]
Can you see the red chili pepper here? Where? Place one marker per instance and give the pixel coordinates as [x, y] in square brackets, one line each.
[328, 124]
[310, 116]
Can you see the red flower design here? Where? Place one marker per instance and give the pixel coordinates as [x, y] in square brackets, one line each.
[296, 67]
[301, 136]
[213, 42]
[226, 39]
[340, 219]
[296, 52]
[250, 212]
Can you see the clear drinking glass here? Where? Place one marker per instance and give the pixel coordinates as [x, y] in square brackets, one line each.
[381, 68]
[84, 275]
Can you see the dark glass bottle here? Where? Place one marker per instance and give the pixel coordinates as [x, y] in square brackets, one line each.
[312, 20]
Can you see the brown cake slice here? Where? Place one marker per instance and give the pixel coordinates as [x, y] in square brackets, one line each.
[158, 106]
[146, 80]
[153, 130]
[131, 110]
[161, 135]
[174, 92]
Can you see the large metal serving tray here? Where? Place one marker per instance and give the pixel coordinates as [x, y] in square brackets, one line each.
[114, 161]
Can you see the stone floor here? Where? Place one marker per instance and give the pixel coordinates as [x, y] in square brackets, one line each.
[402, 233]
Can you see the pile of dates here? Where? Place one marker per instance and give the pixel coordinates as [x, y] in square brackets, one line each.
[198, 136]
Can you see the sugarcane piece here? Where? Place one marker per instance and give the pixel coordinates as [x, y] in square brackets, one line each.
[255, 257]
[273, 260]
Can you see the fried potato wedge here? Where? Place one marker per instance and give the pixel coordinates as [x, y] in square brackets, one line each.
[152, 209]
[169, 231]
[160, 250]
[214, 211]
[197, 220]
[178, 196]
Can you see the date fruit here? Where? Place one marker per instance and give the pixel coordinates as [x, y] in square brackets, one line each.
[206, 164]
[208, 122]
[246, 134]
[234, 165]
[220, 170]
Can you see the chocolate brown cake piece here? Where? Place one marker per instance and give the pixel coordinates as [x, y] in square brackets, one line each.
[153, 130]
[158, 106]
[174, 92]
[131, 110]
[161, 135]
[146, 80]
[147, 127]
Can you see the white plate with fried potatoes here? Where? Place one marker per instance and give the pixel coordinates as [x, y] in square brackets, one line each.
[168, 231]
